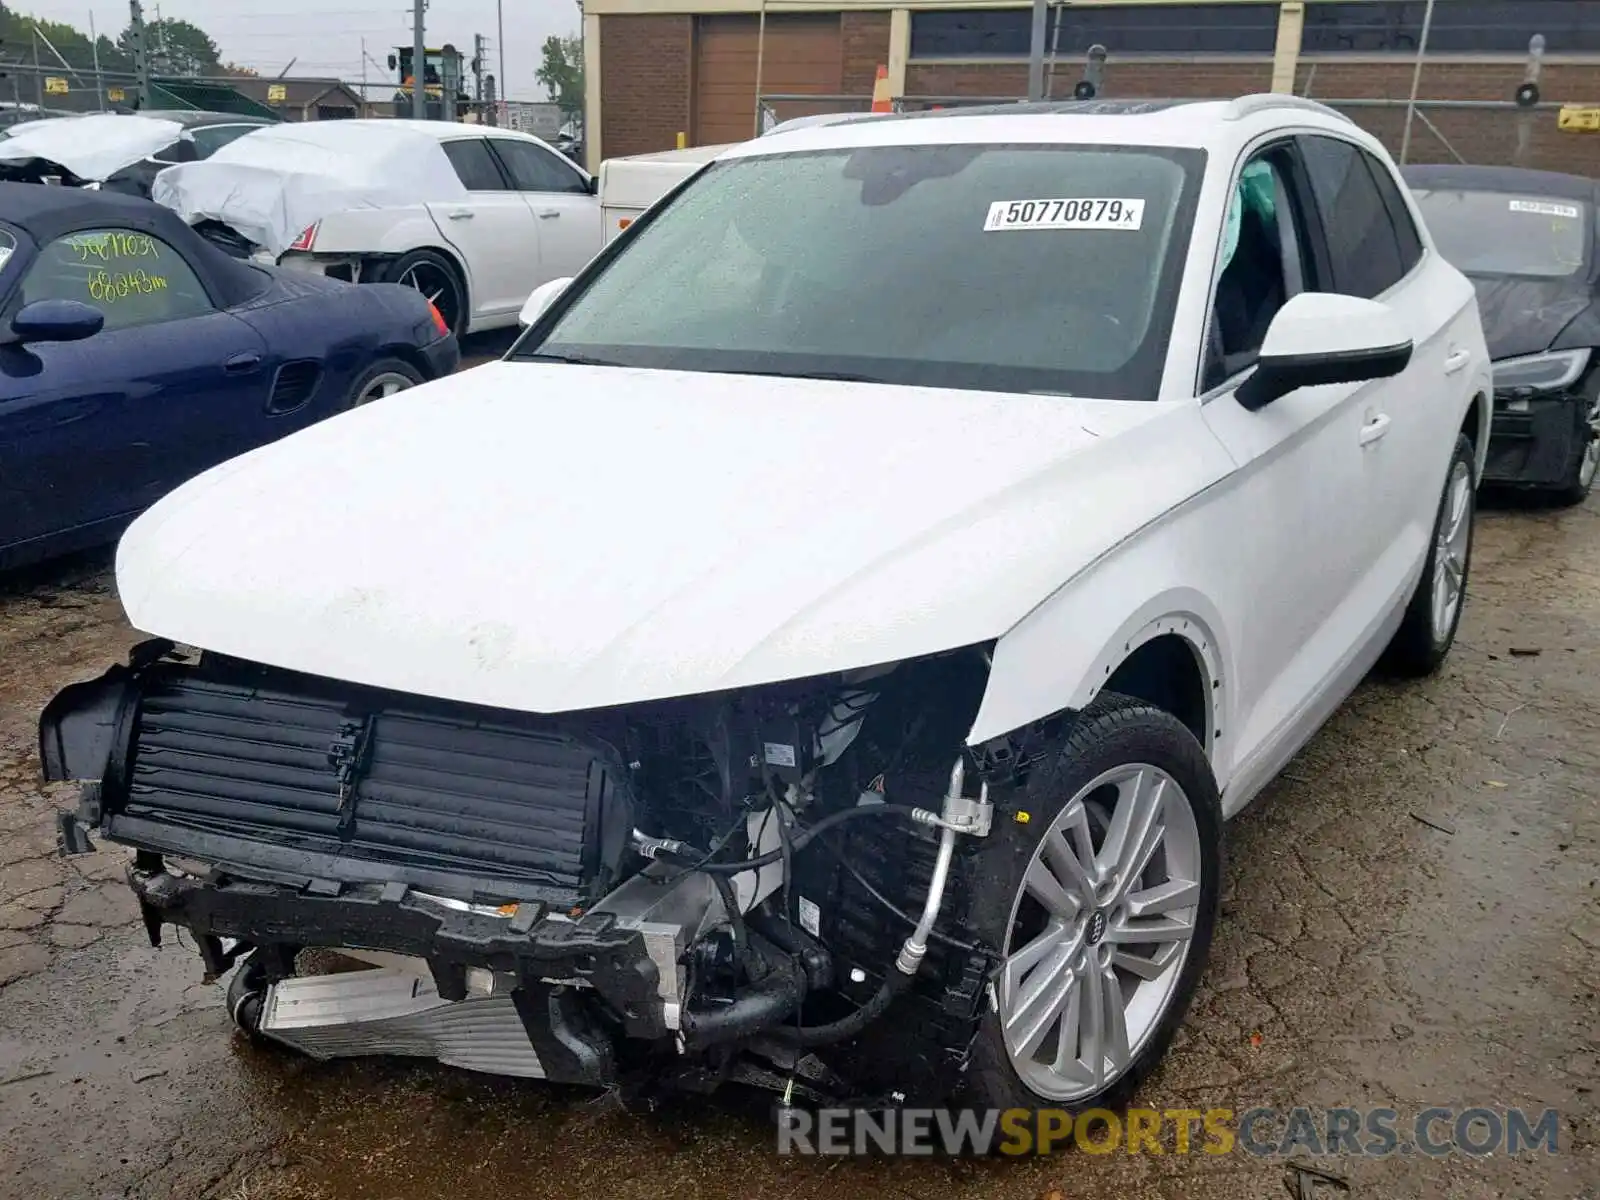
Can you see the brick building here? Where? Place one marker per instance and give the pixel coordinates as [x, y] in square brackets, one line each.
[658, 68]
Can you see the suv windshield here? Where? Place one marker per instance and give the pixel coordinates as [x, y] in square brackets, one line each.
[1005, 268]
[1500, 233]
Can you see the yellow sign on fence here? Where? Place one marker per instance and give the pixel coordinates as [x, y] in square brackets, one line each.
[116, 95]
[1579, 118]
[277, 93]
[55, 85]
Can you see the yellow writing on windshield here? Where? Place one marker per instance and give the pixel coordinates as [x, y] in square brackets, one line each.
[107, 287]
[112, 245]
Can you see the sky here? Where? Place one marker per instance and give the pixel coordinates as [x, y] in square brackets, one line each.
[327, 35]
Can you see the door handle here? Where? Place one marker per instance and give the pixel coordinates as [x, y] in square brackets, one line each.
[461, 214]
[1456, 362]
[546, 213]
[1374, 429]
[242, 364]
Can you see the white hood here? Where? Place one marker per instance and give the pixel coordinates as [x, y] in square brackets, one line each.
[275, 182]
[549, 537]
[92, 147]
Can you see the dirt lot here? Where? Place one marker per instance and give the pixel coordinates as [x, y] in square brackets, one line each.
[1365, 958]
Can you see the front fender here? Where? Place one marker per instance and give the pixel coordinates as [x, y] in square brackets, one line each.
[1061, 655]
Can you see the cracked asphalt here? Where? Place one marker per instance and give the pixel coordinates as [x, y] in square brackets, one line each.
[1411, 919]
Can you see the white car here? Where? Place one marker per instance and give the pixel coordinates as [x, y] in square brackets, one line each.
[843, 621]
[632, 183]
[468, 214]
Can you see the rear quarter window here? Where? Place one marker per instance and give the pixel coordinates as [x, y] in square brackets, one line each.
[130, 276]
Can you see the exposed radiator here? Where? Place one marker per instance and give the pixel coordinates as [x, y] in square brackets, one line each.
[352, 775]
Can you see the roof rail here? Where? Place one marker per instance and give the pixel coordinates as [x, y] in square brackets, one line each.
[1246, 106]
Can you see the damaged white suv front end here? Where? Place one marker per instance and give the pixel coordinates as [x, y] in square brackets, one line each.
[820, 655]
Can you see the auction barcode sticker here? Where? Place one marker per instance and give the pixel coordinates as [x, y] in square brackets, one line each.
[1064, 214]
[1544, 209]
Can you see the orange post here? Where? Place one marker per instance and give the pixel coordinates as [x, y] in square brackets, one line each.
[882, 102]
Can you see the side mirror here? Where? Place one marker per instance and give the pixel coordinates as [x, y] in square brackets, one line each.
[542, 298]
[594, 185]
[1320, 338]
[57, 321]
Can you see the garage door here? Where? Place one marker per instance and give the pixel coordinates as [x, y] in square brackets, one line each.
[800, 54]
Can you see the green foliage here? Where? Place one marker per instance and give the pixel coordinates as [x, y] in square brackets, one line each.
[18, 31]
[561, 72]
[175, 48]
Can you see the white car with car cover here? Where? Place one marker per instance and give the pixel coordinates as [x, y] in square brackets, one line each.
[470, 215]
[827, 647]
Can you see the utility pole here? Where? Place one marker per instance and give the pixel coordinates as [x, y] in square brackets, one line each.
[500, 39]
[1036, 48]
[38, 79]
[419, 62]
[141, 60]
[477, 74]
[1416, 81]
[99, 80]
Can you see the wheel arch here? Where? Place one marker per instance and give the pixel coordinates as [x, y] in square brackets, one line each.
[454, 260]
[1476, 425]
[1172, 651]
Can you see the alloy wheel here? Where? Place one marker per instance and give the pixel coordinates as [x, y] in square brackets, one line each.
[1450, 550]
[438, 286]
[1100, 929]
[379, 386]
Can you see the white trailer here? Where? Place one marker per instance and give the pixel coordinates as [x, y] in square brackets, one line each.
[632, 184]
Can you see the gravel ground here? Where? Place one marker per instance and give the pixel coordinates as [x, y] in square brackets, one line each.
[1366, 958]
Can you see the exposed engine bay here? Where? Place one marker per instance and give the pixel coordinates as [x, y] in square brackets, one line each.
[725, 887]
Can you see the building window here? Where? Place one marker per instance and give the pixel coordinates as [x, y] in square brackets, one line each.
[1459, 26]
[335, 112]
[1122, 30]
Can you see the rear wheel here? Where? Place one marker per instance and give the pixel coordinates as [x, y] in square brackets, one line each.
[1102, 890]
[433, 275]
[1429, 626]
[383, 378]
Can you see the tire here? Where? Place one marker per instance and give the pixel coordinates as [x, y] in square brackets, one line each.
[1586, 464]
[382, 378]
[1428, 630]
[437, 278]
[1113, 737]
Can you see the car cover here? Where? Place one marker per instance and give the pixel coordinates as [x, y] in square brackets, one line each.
[91, 148]
[274, 183]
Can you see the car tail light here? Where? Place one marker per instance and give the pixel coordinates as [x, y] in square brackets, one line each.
[307, 238]
[623, 223]
[438, 319]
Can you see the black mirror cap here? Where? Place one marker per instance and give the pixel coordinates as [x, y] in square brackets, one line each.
[1278, 376]
[57, 321]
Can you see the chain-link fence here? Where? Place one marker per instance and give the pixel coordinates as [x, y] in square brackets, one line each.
[1482, 132]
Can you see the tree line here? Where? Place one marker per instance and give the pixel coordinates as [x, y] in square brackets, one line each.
[174, 47]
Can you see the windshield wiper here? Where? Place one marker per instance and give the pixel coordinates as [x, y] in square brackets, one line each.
[581, 360]
[834, 376]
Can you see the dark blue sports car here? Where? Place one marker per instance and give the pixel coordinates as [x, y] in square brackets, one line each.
[134, 355]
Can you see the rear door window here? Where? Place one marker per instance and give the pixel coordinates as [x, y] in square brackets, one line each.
[1362, 244]
[535, 169]
[475, 165]
[209, 140]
